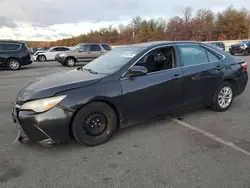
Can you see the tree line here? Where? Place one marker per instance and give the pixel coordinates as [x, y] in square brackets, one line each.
[198, 25]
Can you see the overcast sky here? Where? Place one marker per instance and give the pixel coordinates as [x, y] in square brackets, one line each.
[55, 19]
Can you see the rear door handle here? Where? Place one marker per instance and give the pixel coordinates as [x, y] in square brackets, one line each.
[218, 67]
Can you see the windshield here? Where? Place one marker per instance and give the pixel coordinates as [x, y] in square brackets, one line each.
[113, 60]
[76, 47]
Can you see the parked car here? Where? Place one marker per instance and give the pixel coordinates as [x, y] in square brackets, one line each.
[218, 44]
[49, 55]
[124, 86]
[241, 47]
[85, 52]
[14, 55]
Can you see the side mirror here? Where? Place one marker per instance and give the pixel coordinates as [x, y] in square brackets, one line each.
[80, 50]
[138, 71]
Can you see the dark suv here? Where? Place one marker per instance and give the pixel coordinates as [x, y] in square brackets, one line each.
[241, 47]
[14, 54]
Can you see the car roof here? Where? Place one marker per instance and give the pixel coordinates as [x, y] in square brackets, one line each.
[59, 47]
[11, 41]
[160, 43]
[92, 43]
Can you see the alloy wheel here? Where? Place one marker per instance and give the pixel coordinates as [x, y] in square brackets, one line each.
[71, 62]
[225, 97]
[42, 58]
[14, 65]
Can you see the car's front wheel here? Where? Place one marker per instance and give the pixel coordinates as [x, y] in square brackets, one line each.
[41, 58]
[223, 97]
[70, 62]
[94, 124]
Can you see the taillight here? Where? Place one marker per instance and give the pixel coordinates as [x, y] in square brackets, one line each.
[244, 65]
[27, 51]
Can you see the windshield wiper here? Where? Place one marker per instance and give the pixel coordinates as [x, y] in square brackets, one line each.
[91, 71]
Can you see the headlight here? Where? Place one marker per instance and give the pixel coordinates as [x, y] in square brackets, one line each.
[42, 105]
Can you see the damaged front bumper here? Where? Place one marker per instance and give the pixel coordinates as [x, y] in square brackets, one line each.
[45, 128]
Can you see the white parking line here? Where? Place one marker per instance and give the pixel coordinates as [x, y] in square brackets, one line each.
[9, 86]
[213, 137]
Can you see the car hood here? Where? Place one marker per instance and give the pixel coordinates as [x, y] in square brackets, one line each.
[236, 45]
[50, 85]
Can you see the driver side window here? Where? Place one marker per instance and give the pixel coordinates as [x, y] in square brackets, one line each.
[159, 59]
[85, 48]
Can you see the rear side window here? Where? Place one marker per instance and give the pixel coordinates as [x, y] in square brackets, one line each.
[106, 47]
[55, 50]
[212, 57]
[95, 48]
[193, 55]
[10, 47]
[64, 49]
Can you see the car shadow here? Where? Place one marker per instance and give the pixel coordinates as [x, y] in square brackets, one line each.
[73, 145]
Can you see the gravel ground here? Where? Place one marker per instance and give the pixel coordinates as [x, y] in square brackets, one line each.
[202, 149]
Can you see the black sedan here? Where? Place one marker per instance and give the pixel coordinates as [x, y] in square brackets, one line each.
[127, 85]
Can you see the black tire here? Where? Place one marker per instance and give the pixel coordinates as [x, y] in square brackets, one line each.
[245, 52]
[70, 62]
[215, 103]
[231, 53]
[41, 58]
[80, 126]
[13, 64]
[23, 140]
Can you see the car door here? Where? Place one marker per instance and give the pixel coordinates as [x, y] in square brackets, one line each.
[52, 54]
[95, 51]
[157, 92]
[201, 73]
[83, 53]
[2, 58]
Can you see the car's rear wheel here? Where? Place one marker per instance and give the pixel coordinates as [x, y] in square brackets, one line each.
[41, 58]
[223, 97]
[70, 62]
[245, 52]
[13, 64]
[94, 124]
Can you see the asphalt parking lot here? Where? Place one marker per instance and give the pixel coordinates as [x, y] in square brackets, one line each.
[200, 149]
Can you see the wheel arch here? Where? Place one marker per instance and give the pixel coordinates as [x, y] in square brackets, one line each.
[103, 100]
[71, 57]
[230, 80]
[9, 58]
[41, 55]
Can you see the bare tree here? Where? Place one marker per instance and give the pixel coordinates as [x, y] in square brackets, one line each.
[187, 17]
